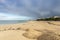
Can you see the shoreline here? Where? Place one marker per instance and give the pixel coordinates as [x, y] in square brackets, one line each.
[15, 31]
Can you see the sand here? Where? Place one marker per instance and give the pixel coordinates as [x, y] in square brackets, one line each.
[13, 35]
[16, 31]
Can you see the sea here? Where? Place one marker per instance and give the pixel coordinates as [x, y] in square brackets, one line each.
[12, 21]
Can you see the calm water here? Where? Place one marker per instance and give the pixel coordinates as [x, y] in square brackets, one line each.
[12, 21]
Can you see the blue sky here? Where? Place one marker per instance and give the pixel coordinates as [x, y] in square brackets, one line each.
[30, 8]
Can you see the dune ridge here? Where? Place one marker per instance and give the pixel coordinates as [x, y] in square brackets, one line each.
[16, 31]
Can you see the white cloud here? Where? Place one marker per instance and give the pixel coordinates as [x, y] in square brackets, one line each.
[4, 16]
[42, 5]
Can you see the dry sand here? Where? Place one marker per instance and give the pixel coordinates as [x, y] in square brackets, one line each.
[16, 31]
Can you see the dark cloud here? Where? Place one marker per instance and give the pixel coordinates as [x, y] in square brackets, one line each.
[31, 8]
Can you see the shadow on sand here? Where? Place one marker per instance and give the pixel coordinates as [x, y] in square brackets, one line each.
[48, 35]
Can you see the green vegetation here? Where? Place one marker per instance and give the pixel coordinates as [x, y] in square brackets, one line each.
[50, 19]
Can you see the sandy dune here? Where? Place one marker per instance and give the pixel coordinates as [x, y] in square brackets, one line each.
[12, 35]
[16, 31]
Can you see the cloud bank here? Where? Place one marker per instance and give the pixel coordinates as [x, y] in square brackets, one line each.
[31, 8]
[13, 17]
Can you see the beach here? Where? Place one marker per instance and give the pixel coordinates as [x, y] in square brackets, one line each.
[16, 31]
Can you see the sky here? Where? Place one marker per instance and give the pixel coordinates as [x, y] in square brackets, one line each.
[4, 16]
[31, 9]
